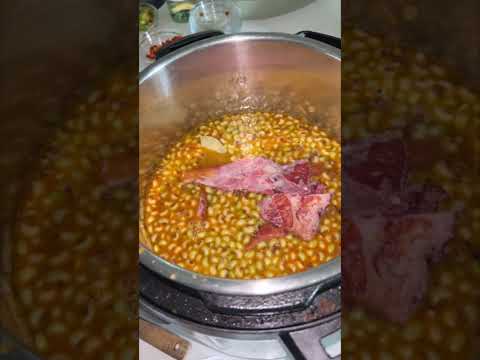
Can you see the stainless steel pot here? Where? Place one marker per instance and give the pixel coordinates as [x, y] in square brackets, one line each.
[231, 74]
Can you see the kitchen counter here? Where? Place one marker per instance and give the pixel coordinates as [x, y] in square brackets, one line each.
[321, 16]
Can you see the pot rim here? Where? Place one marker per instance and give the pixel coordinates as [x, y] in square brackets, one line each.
[325, 273]
[322, 48]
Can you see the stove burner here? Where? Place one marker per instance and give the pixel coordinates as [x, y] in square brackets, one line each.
[279, 312]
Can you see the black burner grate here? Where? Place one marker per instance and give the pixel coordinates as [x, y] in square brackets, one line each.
[280, 311]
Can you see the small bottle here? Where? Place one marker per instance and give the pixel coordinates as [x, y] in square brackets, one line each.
[180, 9]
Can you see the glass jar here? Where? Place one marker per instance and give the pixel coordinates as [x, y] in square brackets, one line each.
[223, 15]
[180, 9]
[147, 17]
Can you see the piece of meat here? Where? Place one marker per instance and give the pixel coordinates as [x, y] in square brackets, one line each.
[418, 235]
[354, 278]
[420, 154]
[414, 199]
[202, 205]
[265, 232]
[360, 199]
[296, 213]
[279, 210]
[390, 158]
[374, 175]
[378, 161]
[307, 218]
[423, 198]
[315, 188]
[374, 180]
[396, 253]
[257, 174]
[397, 230]
[299, 172]
[295, 203]
[316, 169]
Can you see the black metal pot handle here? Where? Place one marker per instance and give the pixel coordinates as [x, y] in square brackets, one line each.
[187, 40]
[306, 344]
[234, 304]
[327, 39]
[190, 39]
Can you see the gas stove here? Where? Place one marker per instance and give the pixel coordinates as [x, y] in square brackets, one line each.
[301, 324]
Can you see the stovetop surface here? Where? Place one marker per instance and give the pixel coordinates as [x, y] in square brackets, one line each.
[305, 307]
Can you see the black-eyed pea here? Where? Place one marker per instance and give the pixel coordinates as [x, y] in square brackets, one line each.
[435, 334]
[57, 328]
[35, 317]
[128, 354]
[457, 342]
[41, 342]
[26, 274]
[91, 345]
[47, 296]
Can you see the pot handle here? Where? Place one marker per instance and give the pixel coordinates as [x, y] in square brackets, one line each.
[187, 40]
[234, 304]
[308, 344]
[327, 39]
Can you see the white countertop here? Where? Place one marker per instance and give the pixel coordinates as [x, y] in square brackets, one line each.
[321, 16]
[197, 352]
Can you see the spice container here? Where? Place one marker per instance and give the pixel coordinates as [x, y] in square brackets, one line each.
[151, 42]
[147, 17]
[222, 15]
[180, 9]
